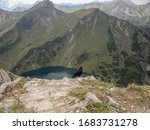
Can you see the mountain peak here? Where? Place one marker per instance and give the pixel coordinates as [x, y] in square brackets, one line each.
[96, 12]
[45, 4]
[48, 3]
[129, 2]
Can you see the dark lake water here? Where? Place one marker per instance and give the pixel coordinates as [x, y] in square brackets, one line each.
[52, 73]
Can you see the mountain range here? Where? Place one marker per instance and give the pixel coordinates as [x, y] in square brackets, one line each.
[110, 48]
[123, 9]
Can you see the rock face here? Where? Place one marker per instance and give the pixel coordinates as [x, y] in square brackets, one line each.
[6, 77]
[4, 86]
[49, 96]
[7, 80]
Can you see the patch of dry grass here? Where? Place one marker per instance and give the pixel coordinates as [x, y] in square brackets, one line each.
[16, 90]
[90, 85]
[18, 106]
[98, 107]
[143, 90]
[2, 111]
[80, 93]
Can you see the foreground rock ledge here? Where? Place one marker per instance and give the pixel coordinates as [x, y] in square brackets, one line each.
[71, 95]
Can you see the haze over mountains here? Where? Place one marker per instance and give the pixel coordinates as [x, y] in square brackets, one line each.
[139, 2]
[124, 9]
[109, 40]
[11, 5]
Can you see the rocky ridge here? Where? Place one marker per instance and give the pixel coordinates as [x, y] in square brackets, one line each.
[67, 95]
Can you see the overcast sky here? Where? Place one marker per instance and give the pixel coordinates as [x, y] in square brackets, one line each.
[12, 2]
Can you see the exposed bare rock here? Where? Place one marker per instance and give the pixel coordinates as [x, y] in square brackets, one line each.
[49, 96]
[112, 102]
[6, 76]
[7, 80]
[90, 99]
[78, 95]
[116, 106]
[10, 84]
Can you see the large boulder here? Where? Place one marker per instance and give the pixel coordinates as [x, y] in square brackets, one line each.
[7, 80]
[6, 77]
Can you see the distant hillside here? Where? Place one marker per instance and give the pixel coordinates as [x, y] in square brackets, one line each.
[41, 23]
[19, 9]
[124, 9]
[8, 19]
[105, 46]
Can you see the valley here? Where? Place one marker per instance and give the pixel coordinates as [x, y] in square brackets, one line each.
[108, 44]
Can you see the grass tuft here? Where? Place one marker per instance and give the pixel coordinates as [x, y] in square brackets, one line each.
[80, 93]
[98, 107]
[143, 90]
[17, 106]
[2, 111]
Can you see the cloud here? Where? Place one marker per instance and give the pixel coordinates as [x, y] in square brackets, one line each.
[76, 1]
[139, 2]
[13, 2]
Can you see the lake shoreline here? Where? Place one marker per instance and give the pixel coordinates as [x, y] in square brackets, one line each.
[55, 72]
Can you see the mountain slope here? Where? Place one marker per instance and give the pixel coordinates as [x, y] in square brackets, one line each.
[41, 23]
[8, 20]
[105, 46]
[136, 14]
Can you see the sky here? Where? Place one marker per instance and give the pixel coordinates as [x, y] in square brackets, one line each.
[138, 2]
[13, 2]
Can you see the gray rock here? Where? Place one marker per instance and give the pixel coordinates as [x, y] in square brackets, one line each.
[6, 76]
[10, 84]
[80, 110]
[113, 103]
[7, 79]
[90, 99]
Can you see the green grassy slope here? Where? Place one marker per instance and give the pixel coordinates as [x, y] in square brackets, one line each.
[105, 46]
[38, 25]
[136, 14]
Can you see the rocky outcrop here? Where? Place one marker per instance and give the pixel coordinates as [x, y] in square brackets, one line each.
[80, 95]
[7, 80]
[6, 76]
[10, 84]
